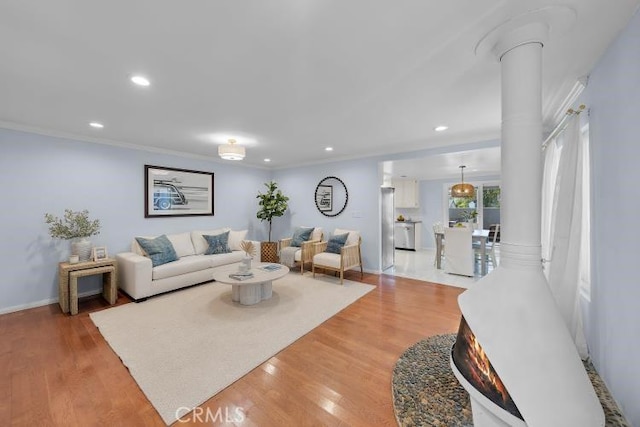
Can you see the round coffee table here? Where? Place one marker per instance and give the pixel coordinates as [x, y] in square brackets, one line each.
[255, 289]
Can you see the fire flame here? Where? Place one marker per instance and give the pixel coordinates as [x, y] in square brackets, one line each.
[474, 365]
[484, 371]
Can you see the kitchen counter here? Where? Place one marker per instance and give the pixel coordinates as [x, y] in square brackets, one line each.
[407, 222]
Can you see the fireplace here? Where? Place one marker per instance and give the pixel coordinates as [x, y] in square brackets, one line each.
[511, 325]
[473, 364]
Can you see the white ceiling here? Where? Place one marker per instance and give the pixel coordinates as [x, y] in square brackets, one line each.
[285, 77]
[483, 162]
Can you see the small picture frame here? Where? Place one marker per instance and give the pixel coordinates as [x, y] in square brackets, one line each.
[99, 253]
[324, 198]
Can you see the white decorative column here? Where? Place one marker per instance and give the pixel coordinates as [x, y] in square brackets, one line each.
[511, 311]
[521, 153]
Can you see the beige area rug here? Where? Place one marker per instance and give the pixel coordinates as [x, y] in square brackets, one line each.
[184, 347]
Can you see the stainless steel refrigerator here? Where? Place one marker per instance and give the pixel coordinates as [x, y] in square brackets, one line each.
[387, 213]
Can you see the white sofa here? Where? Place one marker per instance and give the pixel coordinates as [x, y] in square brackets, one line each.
[140, 280]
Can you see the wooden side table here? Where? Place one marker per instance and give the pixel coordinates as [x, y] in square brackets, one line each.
[68, 275]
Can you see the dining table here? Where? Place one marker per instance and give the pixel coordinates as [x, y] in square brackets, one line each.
[478, 235]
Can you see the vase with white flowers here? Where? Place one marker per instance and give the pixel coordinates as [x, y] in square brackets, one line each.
[249, 249]
[74, 226]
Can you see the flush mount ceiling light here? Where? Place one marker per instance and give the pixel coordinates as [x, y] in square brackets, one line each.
[328, 149]
[440, 128]
[96, 125]
[462, 189]
[231, 151]
[140, 80]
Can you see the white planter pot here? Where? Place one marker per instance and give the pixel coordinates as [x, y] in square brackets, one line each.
[82, 248]
[246, 265]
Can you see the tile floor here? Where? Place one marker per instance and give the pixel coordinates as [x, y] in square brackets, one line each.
[419, 265]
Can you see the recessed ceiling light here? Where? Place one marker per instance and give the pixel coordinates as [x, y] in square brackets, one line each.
[267, 160]
[140, 80]
[96, 125]
[328, 149]
[440, 128]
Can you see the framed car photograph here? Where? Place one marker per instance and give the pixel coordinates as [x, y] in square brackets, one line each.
[177, 192]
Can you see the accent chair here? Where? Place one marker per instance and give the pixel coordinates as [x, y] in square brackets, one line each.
[339, 254]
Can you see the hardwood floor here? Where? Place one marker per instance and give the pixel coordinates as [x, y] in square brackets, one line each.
[58, 370]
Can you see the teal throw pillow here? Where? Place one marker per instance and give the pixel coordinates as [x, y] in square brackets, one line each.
[336, 243]
[218, 244]
[160, 250]
[301, 234]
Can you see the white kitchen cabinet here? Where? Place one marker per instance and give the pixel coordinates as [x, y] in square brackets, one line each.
[406, 193]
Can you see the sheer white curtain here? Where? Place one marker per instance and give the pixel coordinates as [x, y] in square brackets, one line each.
[564, 234]
[551, 160]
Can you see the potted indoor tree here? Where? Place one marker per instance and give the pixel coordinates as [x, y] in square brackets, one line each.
[271, 204]
[74, 226]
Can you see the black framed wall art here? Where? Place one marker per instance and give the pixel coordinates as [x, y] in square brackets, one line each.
[331, 196]
[177, 192]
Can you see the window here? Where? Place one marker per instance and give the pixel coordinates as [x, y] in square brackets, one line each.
[490, 205]
[463, 209]
[491, 196]
[484, 207]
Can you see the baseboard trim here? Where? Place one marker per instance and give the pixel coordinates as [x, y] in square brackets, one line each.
[44, 302]
[48, 301]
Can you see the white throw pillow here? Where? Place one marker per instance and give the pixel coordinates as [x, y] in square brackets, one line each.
[353, 238]
[182, 244]
[200, 244]
[235, 238]
[317, 233]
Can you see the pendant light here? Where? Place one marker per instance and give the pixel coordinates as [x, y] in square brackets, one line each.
[462, 189]
[231, 151]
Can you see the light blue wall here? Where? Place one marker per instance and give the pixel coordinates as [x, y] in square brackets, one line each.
[363, 178]
[362, 211]
[613, 97]
[46, 174]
